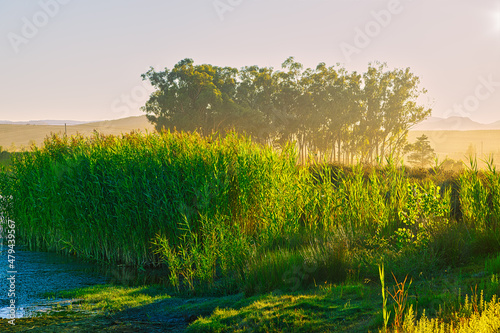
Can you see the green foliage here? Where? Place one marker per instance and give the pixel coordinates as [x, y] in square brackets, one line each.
[424, 212]
[5, 157]
[92, 196]
[480, 202]
[225, 214]
[492, 265]
[292, 269]
[192, 97]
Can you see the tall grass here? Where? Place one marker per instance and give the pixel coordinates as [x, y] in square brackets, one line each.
[108, 197]
[224, 207]
[474, 315]
[480, 202]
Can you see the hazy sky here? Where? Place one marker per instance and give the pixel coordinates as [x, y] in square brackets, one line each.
[82, 60]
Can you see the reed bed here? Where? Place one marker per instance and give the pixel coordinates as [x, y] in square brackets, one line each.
[224, 208]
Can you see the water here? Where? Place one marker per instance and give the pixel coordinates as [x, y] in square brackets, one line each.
[43, 272]
[28, 275]
[37, 273]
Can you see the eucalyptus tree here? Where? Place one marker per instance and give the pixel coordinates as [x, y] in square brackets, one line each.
[348, 87]
[390, 109]
[287, 101]
[323, 102]
[336, 97]
[326, 109]
[401, 111]
[255, 95]
[192, 97]
[376, 89]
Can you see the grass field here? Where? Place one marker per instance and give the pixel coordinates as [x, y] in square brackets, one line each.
[455, 144]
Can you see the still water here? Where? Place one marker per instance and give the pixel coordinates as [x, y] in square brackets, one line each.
[26, 276]
[41, 272]
[36, 273]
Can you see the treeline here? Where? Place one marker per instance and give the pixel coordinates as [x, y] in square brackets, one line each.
[328, 111]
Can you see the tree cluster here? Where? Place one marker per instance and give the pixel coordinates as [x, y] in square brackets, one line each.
[328, 111]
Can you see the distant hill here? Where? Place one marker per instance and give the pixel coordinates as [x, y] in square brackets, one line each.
[495, 125]
[127, 124]
[44, 122]
[454, 124]
[15, 136]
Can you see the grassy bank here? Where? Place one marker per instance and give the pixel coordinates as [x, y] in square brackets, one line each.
[449, 297]
[227, 216]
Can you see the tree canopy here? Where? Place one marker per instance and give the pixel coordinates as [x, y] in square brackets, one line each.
[326, 110]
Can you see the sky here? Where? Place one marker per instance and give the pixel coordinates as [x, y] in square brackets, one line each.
[83, 60]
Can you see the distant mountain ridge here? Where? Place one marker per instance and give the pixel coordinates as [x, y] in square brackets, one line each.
[454, 124]
[45, 122]
[19, 135]
[430, 124]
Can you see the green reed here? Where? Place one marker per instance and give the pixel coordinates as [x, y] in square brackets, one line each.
[480, 197]
[109, 197]
[222, 207]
